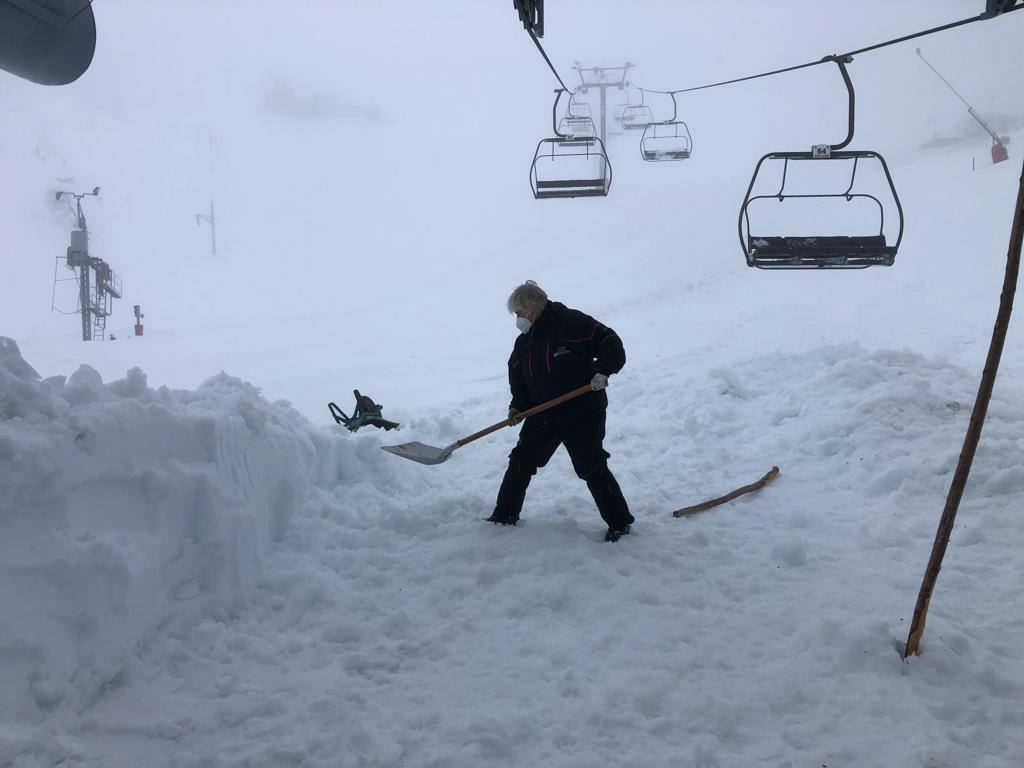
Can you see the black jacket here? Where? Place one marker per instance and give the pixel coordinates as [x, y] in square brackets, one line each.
[562, 351]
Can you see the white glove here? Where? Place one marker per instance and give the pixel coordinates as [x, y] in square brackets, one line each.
[599, 382]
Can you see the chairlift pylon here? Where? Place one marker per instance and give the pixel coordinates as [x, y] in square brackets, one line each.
[567, 165]
[777, 251]
[666, 140]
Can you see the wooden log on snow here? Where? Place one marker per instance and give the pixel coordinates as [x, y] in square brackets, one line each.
[687, 511]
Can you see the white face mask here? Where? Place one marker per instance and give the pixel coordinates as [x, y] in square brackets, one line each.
[523, 324]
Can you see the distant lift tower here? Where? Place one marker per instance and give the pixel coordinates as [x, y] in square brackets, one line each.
[210, 219]
[999, 152]
[602, 78]
[97, 283]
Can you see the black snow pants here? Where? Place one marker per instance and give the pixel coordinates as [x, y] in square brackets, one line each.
[582, 437]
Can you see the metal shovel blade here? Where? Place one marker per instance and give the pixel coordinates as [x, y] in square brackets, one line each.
[424, 454]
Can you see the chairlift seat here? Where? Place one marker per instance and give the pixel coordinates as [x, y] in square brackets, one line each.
[655, 155]
[821, 252]
[571, 188]
[591, 179]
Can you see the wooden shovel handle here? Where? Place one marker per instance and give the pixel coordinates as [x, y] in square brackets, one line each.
[526, 414]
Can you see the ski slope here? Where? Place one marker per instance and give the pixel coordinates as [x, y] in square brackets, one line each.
[198, 571]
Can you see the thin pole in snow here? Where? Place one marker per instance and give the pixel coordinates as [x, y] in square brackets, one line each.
[973, 436]
[210, 219]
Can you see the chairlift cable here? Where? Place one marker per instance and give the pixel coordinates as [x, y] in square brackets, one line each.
[543, 53]
[736, 80]
[828, 59]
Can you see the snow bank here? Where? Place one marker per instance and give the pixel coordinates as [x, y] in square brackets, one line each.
[393, 627]
[390, 626]
[121, 504]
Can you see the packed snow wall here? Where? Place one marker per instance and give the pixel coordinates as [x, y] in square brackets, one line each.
[121, 505]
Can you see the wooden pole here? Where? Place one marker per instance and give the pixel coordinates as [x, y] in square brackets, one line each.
[756, 486]
[963, 467]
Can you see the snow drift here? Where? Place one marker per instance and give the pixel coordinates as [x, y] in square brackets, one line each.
[121, 504]
[205, 578]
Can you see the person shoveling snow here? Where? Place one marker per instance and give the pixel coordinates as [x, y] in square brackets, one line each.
[559, 367]
[559, 350]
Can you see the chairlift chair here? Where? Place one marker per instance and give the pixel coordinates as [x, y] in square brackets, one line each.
[577, 127]
[859, 251]
[619, 108]
[579, 109]
[667, 140]
[637, 116]
[568, 165]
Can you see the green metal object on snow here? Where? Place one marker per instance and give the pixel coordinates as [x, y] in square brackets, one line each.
[366, 413]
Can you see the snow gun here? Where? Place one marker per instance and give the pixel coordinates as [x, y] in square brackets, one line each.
[366, 412]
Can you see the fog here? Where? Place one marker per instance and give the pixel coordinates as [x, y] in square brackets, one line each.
[369, 160]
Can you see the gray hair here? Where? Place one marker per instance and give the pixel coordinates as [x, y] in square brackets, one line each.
[528, 297]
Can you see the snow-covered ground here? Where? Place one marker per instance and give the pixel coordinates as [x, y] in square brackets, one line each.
[387, 626]
[196, 570]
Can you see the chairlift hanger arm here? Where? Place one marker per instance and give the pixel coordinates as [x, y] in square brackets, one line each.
[675, 106]
[554, 113]
[841, 62]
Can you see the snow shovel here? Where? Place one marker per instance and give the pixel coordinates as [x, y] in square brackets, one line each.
[428, 454]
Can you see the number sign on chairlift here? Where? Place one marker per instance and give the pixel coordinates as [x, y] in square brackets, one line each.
[815, 250]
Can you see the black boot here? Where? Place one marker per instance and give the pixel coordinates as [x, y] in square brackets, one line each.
[499, 519]
[610, 502]
[511, 494]
[614, 534]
